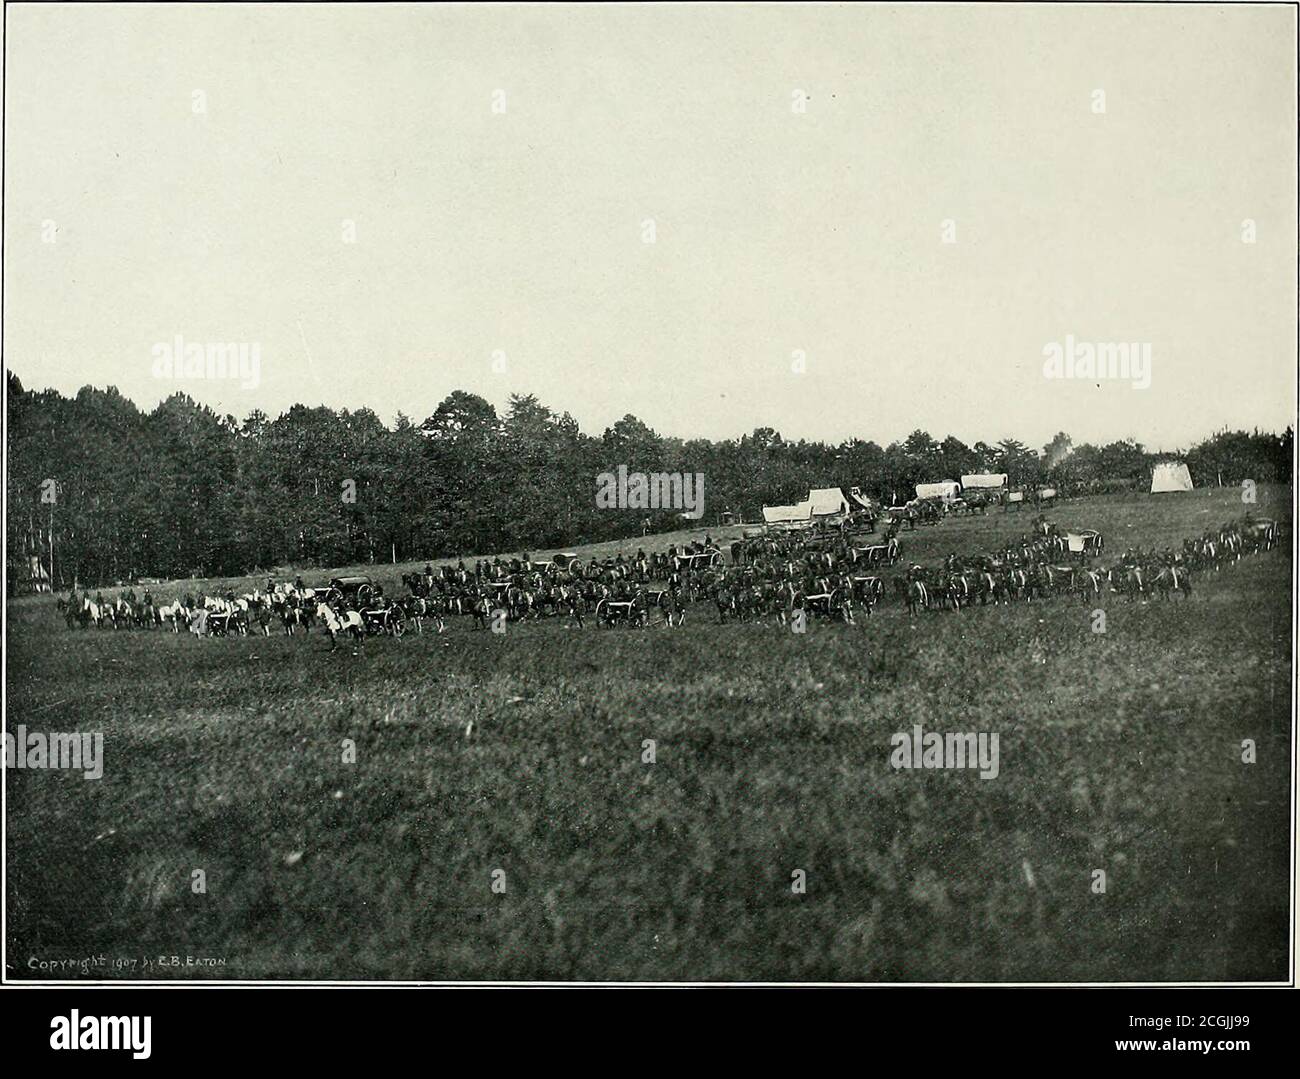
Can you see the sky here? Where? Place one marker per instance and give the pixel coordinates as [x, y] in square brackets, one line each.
[864, 220]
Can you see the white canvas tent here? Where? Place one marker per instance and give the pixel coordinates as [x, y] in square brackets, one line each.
[984, 481]
[1170, 476]
[35, 577]
[947, 490]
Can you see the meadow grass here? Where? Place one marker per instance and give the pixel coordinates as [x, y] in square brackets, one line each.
[1119, 751]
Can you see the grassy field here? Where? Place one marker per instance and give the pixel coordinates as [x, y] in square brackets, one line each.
[523, 753]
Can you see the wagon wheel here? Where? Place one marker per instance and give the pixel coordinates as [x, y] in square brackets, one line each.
[364, 593]
[600, 613]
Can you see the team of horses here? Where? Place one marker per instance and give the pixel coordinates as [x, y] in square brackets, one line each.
[787, 577]
[1034, 570]
[615, 591]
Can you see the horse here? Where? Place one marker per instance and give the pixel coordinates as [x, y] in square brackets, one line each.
[1262, 533]
[518, 602]
[479, 607]
[263, 614]
[414, 607]
[337, 623]
[868, 591]
[75, 615]
[1132, 581]
[567, 598]
[1171, 580]
[1019, 585]
[724, 599]
[917, 596]
[416, 583]
[435, 607]
[1089, 585]
[172, 613]
[989, 586]
[1056, 580]
[291, 615]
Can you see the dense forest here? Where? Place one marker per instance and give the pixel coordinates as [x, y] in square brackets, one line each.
[182, 491]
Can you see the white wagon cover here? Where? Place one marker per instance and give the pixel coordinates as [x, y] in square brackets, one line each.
[947, 489]
[983, 481]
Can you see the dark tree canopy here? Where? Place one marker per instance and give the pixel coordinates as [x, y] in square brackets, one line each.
[182, 491]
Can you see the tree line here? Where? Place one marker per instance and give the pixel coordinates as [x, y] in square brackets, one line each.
[182, 491]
